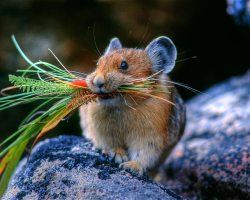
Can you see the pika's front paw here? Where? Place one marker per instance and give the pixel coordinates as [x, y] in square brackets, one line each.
[119, 155]
[133, 166]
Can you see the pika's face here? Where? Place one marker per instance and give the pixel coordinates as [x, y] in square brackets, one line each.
[115, 69]
[120, 65]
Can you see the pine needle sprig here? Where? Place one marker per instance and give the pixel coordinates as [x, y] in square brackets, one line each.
[39, 87]
[49, 85]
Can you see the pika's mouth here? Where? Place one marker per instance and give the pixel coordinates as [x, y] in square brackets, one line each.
[106, 96]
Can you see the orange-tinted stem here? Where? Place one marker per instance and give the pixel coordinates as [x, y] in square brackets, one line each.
[79, 83]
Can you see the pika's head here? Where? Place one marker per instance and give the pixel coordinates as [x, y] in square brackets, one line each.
[120, 65]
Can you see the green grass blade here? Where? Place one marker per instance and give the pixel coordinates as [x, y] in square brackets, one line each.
[13, 135]
[23, 55]
[63, 73]
[34, 127]
[7, 174]
[36, 110]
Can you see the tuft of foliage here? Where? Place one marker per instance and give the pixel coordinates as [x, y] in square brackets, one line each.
[40, 87]
[63, 89]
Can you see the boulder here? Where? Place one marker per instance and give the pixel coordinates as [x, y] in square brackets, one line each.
[67, 167]
[212, 160]
[240, 11]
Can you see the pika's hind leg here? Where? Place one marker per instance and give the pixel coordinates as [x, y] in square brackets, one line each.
[118, 154]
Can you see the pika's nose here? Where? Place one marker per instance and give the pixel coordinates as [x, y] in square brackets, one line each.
[99, 81]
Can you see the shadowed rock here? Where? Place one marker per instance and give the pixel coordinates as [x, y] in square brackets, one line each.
[213, 158]
[67, 168]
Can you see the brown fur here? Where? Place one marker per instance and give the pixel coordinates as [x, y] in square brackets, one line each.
[140, 135]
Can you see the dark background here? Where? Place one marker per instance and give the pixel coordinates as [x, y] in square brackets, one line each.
[200, 28]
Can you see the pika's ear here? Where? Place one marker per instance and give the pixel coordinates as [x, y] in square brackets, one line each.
[113, 45]
[162, 53]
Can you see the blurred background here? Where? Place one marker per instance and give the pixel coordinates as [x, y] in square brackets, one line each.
[212, 38]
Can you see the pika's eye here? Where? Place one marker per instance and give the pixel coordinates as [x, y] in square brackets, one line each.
[124, 65]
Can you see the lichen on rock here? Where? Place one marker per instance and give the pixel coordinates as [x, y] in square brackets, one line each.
[67, 167]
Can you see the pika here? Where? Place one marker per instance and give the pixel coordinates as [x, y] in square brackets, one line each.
[138, 139]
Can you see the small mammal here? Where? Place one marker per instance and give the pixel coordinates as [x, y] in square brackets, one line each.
[138, 139]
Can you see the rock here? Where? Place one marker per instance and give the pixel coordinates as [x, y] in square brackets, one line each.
[68, 168]
[213, 158]
[240, 11]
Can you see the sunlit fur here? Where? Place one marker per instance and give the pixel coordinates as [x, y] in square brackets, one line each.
[137, 124]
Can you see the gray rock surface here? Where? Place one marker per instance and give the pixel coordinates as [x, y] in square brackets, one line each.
[212, 161]
[67, 168]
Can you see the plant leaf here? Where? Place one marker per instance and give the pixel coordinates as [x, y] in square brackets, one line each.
[15, 156]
